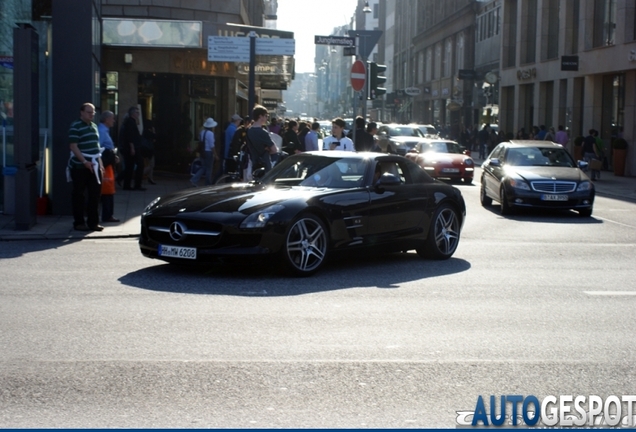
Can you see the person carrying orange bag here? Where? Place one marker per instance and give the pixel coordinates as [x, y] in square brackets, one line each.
[109, 159]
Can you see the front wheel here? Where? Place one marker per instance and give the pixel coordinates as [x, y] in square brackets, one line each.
[585, 212]
[306, 244]
[503, 200]
[443, 234]
[483, 197]
[468, 180]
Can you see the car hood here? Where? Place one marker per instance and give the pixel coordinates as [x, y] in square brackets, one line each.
[231, 198]
[407, 139]
[548, 173]
[449, 158]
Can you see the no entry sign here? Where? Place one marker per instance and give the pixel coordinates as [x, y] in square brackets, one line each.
[358, 75]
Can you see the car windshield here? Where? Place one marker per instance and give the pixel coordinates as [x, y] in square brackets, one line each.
[539, 156]
[318, 171]
[442, 147]
[405, 131]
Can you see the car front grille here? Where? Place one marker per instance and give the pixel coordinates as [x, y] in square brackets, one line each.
[553, 186]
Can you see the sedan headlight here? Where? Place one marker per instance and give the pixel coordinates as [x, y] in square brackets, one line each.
[152, 204]
[519, 184]
[468, 162]
[584, 186]
[260, 218]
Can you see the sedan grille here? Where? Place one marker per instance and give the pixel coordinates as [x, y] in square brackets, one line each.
[553, 186]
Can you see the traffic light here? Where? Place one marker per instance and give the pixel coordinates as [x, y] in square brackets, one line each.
[376, 80]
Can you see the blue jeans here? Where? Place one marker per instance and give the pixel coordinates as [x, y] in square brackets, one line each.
[206, 168]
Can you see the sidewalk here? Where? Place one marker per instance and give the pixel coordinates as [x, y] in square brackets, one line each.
[128, 208]
[130, 204]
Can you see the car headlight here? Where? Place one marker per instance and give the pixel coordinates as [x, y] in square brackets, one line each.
[468, 162]
[152, 204]
[519, 184]
[584, 186]
[260, 218]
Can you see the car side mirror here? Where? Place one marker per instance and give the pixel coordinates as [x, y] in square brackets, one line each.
[466, 152]
[583, 165]
[388, 179]
[494, 162]
[258, 173]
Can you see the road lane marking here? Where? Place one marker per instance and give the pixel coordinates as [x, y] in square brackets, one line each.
[610, 293]
[617, 223]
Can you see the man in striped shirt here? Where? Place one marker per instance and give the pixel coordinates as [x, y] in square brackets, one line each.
[86, 169]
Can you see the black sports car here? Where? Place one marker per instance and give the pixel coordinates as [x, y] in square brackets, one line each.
[308, 207]
[540, 174]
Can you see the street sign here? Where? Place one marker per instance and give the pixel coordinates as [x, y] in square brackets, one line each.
[228, 49]
[271, 46]
[237, 49]
[367, 39]
[358, 75]
[335, 40]
[412, 91]
[349, 51]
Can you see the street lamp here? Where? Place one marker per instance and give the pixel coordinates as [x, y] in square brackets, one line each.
[366, 9]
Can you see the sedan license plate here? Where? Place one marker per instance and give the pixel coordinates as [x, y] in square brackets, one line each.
[450, 170]
[177, 252]
[554, 197]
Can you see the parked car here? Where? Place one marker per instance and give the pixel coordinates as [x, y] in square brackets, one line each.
[398, 139]
[427, 130]
[542, 174]
[446, 159]
[309, 207]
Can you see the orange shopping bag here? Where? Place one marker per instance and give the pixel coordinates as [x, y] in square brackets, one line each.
[108, 181]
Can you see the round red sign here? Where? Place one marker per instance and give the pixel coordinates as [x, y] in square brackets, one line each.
[358, 75]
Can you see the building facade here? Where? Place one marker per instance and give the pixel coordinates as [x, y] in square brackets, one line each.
[570, 63]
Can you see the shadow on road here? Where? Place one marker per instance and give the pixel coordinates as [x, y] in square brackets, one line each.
[385, 272]
[545, 216]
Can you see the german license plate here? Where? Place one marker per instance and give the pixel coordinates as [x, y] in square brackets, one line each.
[554, 197]
[450, 170]
[177, 252]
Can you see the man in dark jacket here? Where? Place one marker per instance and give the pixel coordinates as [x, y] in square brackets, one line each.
[130, 148]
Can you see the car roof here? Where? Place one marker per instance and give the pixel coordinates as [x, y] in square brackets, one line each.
[532, 143]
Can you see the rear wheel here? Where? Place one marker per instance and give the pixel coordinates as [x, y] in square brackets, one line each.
[306, 243]
[485, 199]
[443, 234]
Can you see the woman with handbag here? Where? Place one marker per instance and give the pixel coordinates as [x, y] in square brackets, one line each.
[591, 156]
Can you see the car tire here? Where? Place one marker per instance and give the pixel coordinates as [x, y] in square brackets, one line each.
[503, 200]
[306, 245]
[585, 212]
[443, 234]
[468, 180]
[485, 200]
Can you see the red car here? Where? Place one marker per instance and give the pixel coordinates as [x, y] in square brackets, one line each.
[444, 159]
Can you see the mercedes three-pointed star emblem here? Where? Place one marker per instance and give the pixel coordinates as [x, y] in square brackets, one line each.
[177, 231]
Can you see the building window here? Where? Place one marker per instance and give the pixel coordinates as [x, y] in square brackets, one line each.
[376, 11]
[420, 67]
[529, 32]
[438, 61]
[448, 59]
[429, 64]
[459, 52]
[604, 22]
[509, 39]
[552, 12]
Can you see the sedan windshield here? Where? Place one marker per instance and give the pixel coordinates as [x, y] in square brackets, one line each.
[539, 156]
[405, 131]
[318, 171]
[442, 147]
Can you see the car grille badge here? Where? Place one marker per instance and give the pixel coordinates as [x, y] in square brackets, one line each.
[177, 231]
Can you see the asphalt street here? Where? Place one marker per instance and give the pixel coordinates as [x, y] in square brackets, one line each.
[94, 335]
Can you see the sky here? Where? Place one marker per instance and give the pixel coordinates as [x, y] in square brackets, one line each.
[312, 18]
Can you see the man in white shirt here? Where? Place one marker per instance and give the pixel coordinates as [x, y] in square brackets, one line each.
[338, 140]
